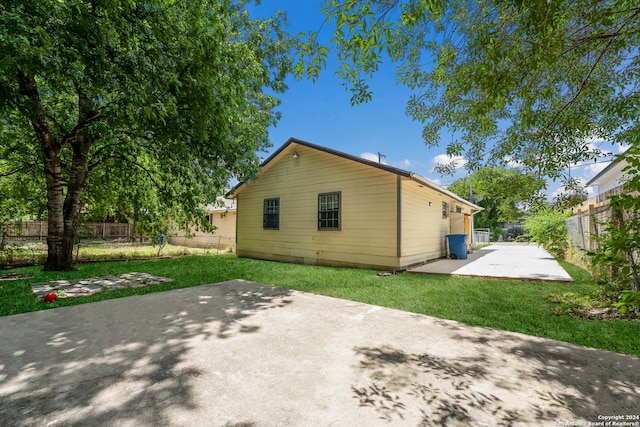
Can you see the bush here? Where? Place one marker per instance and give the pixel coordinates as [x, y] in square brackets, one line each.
[547, 228]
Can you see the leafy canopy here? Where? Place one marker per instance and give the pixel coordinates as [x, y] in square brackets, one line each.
[531, 82]
[172, 98]
[501, 192]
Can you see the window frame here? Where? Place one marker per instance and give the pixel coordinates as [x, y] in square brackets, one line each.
[268, 223]
[445, 210]
[336, 214]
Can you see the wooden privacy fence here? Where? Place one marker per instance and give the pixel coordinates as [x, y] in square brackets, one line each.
[37, 230]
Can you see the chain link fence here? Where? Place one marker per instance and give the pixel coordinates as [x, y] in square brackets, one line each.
[585, 228]
[481, 237]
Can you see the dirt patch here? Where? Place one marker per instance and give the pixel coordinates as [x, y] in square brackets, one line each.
[597, 305]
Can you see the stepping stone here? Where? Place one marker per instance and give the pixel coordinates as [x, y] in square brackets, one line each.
[93, 285]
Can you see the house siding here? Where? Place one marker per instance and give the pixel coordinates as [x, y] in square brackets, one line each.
[223, 236]
[423, 227]
[368, 211]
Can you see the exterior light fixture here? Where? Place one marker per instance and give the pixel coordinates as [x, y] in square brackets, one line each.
[295, 154]
[430, 203]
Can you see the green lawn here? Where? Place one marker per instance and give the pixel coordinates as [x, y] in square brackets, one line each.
[504, 304]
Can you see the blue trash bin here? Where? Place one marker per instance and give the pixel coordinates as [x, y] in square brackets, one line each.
[457, 246]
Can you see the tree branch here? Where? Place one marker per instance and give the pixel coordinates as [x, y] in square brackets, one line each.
[591, 70]
[28, 87]
[15, 171]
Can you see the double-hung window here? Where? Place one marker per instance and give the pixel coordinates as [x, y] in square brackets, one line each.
[271, 214]
[329, 211]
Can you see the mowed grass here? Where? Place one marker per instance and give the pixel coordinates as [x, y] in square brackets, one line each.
[511, 305]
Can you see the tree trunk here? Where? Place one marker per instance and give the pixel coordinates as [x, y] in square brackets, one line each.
[62, 210]
[55, 201]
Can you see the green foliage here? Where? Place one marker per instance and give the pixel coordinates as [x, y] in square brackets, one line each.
[524, 82]
[502, 193]
[152, 104]
[546, 226]
[629, 300]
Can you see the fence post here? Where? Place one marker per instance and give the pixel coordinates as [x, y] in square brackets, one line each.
[40, 238]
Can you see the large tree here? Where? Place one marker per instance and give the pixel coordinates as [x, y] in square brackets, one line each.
[503, 193]
[533, 82]
[181, 90]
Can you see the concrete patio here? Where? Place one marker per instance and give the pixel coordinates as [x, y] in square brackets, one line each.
[245, 354]
[524, 261]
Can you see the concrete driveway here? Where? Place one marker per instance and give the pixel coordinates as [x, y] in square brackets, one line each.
[245, 354]
[524, 261]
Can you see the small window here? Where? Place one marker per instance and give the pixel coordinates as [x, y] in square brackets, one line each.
[458, 209]
[445, 210]
[271, 214]
[329, 211]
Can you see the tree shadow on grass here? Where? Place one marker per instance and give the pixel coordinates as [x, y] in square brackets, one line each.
[498, 378]
[120, 362]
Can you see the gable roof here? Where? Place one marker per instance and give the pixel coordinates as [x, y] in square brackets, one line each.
[401, 172]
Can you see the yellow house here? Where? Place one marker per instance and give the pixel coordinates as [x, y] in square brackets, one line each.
[314, 205]
[222, 216]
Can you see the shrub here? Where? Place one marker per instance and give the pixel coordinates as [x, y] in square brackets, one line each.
[547, 228]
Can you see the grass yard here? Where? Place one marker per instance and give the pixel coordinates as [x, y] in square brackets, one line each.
[512, 305]
[30, 253]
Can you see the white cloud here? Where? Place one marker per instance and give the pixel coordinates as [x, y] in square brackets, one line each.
[444, 159]
[592, 169]
[513, 163]
[623, 148]
[373, 157]
[405, 163]
[593, 140]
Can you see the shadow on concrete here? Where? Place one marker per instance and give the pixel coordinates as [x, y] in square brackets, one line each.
[76, 375]
[538, 382]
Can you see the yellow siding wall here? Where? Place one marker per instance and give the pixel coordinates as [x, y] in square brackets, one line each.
[423, 227]
[224, 236]
[225, 223]
[368, 237]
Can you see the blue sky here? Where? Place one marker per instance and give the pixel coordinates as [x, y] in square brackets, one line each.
[321, 112]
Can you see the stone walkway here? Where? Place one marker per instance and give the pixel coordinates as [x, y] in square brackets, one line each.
[95, 285]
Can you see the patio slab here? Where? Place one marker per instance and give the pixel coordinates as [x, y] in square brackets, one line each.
[524, 261]
[246, 354]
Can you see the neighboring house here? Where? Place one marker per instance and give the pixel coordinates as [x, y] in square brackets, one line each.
[608, 182]
[223, 217]
[590, 219]
[315, 205]
[611, 177]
